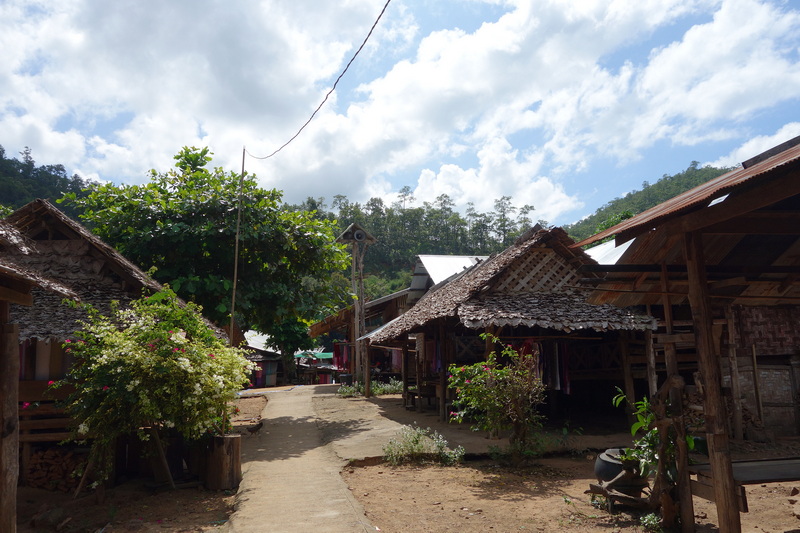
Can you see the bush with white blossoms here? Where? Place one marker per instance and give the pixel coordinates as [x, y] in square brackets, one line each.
[155, 364]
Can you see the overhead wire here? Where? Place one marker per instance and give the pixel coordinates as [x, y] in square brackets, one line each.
[327, 95]
[244, 151]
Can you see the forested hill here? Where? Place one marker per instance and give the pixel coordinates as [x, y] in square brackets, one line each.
[22, 181]
[404, 229]
[637, 201]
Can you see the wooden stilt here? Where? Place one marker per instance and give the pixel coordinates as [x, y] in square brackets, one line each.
[9, 421]
[627, 375]
[719, 452]
[162, 458]
[733, 365]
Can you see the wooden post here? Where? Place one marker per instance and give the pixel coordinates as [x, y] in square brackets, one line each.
[733, 364]
[757, 385]
[420, 367]
[162, 458]
[719, 453]
[225, 463]
[682, 455]
[9, 418]
[652, 379]
[404, 369]
[447, 350]
[627, 376]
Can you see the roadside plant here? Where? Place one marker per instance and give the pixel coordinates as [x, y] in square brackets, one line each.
[154, 365]
[377, 388]
[502, 393]
[413, 444]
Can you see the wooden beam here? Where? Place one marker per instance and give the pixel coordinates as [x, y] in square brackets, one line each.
[681, 269]
[16, 297]
[714, 406]
[758, 223]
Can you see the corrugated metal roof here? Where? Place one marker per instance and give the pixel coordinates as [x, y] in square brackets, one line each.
[699, 197]
[441, 267]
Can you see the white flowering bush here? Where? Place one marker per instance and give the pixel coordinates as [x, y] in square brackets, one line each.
[156, 364]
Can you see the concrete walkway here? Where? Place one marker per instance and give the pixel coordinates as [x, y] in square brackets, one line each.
[291, 466]
[291, 479]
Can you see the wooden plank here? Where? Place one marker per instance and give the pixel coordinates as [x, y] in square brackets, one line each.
[674, 338]
[44, 423]
[44, 437]
[15, 297]
[706, 492]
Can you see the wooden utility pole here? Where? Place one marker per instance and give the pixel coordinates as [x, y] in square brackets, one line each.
[714, 406]
[358, 237]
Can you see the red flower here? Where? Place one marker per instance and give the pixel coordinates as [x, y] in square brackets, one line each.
[50, 383]
[105, 387]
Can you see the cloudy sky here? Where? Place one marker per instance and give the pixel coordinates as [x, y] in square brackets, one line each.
[562, 104]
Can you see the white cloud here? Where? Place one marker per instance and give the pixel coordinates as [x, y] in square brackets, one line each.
[517, 106]
[757, 145]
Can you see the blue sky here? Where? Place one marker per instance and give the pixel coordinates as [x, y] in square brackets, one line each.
[563, 105]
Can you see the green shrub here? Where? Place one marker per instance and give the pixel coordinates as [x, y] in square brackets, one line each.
[504, 392]
[376, 387]
[416, 445]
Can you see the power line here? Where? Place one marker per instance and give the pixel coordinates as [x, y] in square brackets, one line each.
[307, 122]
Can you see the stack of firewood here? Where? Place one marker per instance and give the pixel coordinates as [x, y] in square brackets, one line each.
[54, 469]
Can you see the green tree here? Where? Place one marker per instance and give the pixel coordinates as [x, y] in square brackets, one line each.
[183, 222]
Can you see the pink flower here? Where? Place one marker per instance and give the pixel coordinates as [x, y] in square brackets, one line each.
[105, 387]
[25, 405]
[50, 383]
[453, 413]
[211, 355]
[467, 381]
[176, 349]
[67, 340]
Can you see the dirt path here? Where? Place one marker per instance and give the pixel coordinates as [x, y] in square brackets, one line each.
[283, 490]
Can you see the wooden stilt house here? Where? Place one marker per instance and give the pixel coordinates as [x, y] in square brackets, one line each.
[95, 273]
[525, 294]
[16, 284]
[720, 266]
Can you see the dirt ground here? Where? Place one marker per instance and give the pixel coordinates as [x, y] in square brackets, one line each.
[479, 495]
[134, 505]
[548, 497]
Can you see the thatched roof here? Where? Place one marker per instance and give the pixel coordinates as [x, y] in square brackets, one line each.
[44, 240]
[526, 284]
[17, 245]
